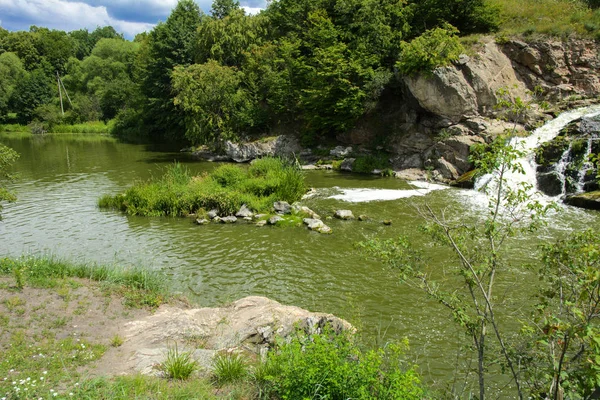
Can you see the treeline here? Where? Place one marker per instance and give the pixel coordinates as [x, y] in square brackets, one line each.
[314, 65]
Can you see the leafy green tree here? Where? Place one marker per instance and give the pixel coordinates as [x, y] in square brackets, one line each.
[23, 44]
[435, 48]
[469, 16]
[11, 72]
[7, 157]
[169, 45]
[223, 8]
[227, 39]
[56, 47]
[563, 350]
[216, 107]
[34, 90]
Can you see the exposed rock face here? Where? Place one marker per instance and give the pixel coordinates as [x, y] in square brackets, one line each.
[244, 152]
[340, 151]
[251, 323]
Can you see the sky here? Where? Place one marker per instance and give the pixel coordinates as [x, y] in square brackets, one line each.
[126, 16]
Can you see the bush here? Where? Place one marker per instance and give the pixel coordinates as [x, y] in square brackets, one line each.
[332, 366]
[435, 48]
[179, 365]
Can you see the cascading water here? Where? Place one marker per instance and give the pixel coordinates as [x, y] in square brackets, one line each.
[528, 144]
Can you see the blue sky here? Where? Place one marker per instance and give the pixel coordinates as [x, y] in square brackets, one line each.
[127, 16]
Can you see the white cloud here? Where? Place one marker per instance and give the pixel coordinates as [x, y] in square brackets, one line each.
[64, 15]
[252, 10]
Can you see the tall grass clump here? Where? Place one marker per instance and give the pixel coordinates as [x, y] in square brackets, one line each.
[333, 366]
[226, 189]
[229, 368]
[179, 364]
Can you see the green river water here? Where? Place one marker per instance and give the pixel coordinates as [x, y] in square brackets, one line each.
[62, 176]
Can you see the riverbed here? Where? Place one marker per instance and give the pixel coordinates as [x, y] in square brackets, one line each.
[62, 176]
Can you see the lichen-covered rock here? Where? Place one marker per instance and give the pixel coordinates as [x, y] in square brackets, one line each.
[590, 200]
[252, 323]
[344, 214]
[282, 207]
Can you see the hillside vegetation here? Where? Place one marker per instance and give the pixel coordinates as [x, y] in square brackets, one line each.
[318, 66]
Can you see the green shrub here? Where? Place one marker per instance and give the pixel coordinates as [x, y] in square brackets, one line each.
[435, 48]
[229, 368]
[366, 164]
[332, 366]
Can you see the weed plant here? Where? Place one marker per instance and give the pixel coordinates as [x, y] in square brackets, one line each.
[226, 189]
[229, 368]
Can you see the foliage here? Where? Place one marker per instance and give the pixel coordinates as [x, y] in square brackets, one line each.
[178, 364]
[469, 16]
[333, 366]
[366, 164]
[7, 157]
[216, 107]
[435, 48]
[229, 368]
[563, 350]
[226, 189]
[11, 72]
[34, 90]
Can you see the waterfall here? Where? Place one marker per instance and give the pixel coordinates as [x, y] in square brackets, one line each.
[528, 144]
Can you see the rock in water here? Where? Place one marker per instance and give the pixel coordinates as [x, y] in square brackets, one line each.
[275, 219]
[229, 220]
[362, 218]
[212, 214]
[344, 214]
[313, 224]
[282, 207]
[244, 212]
[202, 221]
[262, 222]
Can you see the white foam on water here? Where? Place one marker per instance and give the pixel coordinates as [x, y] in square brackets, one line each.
[362, 195]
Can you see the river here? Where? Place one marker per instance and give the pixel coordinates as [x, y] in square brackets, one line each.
[62, 176]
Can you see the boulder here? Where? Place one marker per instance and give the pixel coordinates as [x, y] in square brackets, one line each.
[282, 207]
[313, 224]
[340, 151]
[325, 230]
[363, 218]
[550, 183]
[309, 212]
[244, 212]
[216, 219]
[277, 145]
[212, 214]
[347, 164]
[252, 324]
[229, 220]
[445, 92]
[590, 200]
[275, 219]
[344, 214]
[202, 221]
[262, 222]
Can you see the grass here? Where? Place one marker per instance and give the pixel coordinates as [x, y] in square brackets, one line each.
[229, 368]
[179, 364]
[14, 128]
[86, 127]
[226, 189]
[139, 287]
[560, 18]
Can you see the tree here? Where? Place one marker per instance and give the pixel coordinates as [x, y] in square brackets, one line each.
[7, 157]
[563, 347]
[33, 90]
[216, 107]
[223, 8]
[169, 45]
[11, 72]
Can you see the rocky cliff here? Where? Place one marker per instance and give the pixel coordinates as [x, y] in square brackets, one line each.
[433, 119]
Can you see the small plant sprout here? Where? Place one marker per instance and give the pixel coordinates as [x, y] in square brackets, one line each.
[117, 341]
